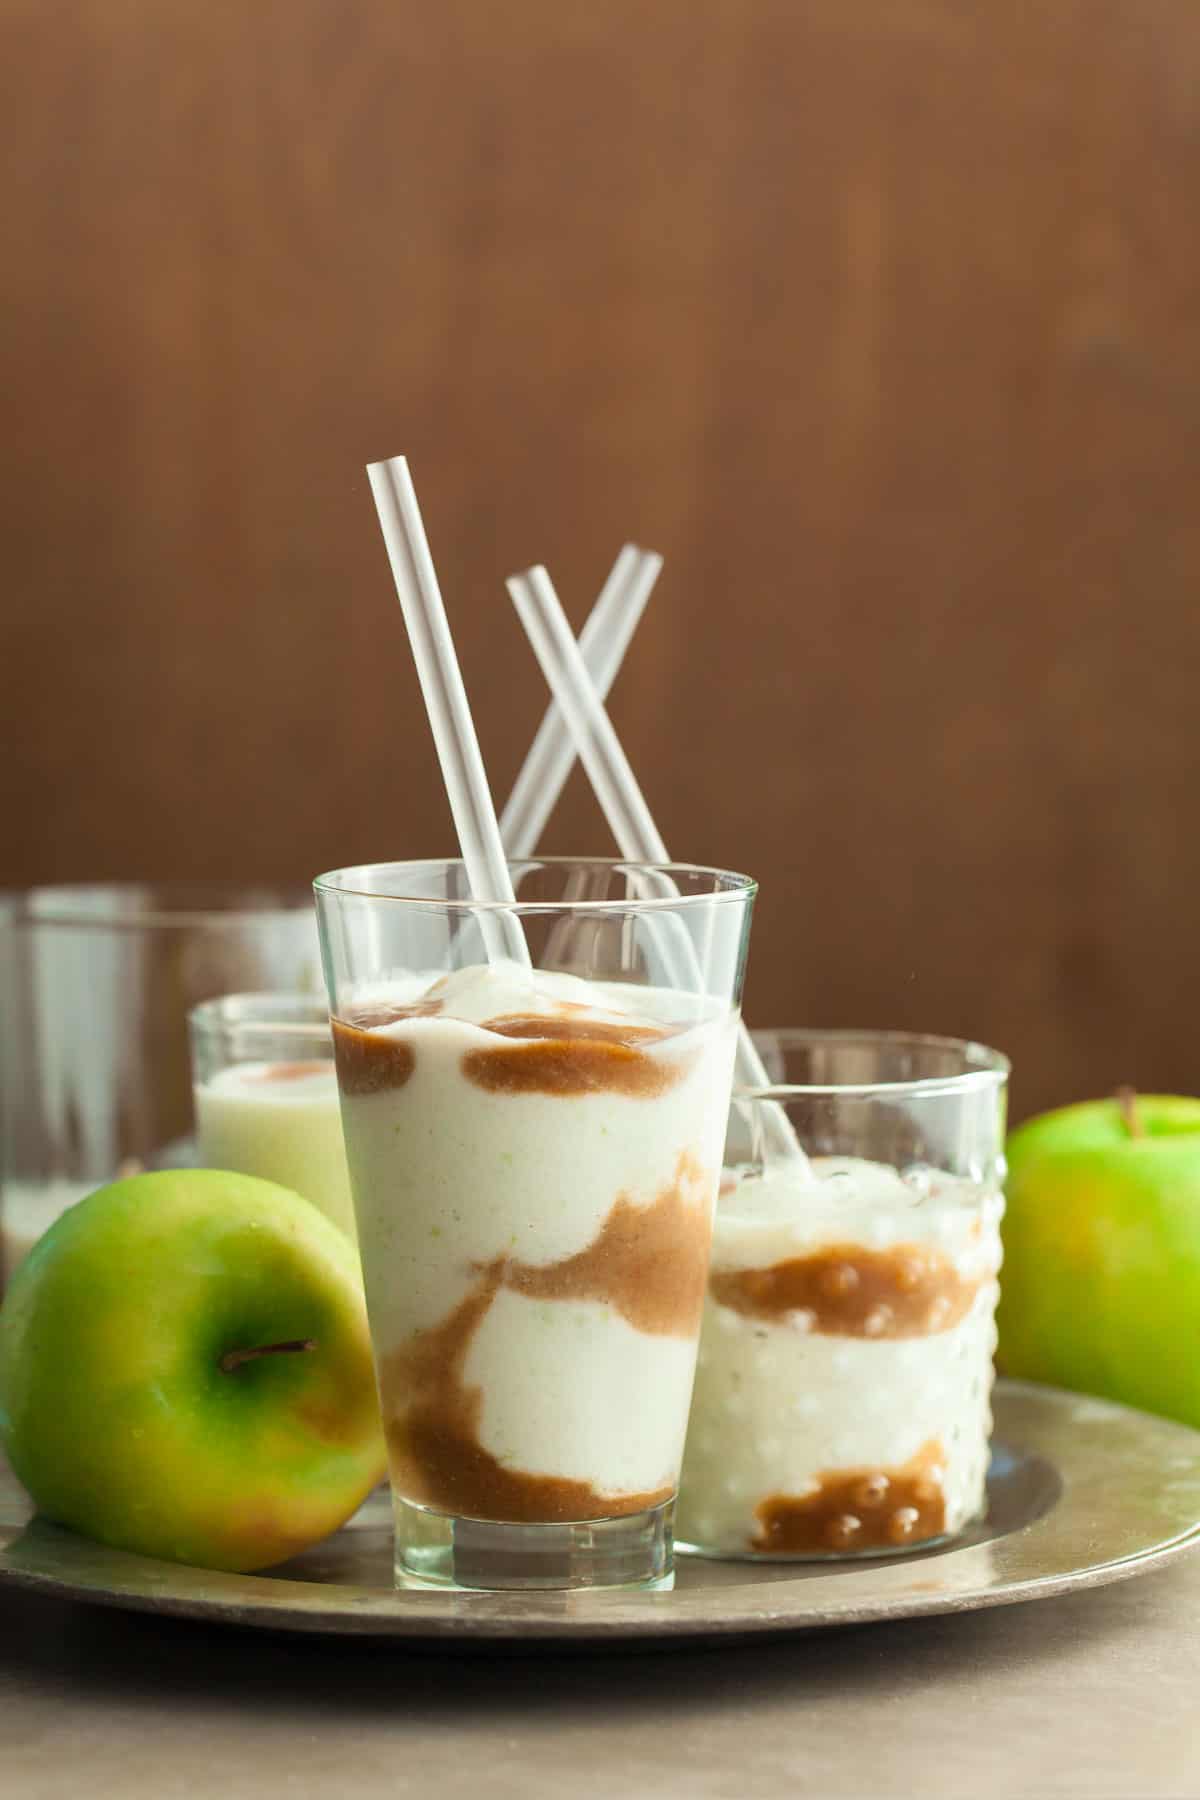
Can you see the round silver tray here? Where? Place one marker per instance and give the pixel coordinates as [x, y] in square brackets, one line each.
[1080, 1492]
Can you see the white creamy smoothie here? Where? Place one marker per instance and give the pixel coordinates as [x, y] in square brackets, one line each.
[280, 1121]
[534, 1160]
[842, 1398]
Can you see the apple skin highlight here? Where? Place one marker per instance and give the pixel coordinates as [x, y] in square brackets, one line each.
[1101, 1283]
[115, 1411]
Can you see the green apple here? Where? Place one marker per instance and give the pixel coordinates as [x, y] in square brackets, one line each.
[185, 1371]
[1100, 1288]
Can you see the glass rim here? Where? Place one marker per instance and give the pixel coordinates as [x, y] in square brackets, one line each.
[189, 914]
[737, 887]
[253, 1009]
[987, 1068]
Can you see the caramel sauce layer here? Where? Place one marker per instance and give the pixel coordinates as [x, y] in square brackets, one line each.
[367, 1062]
[910, 1290]
[858, 1509]
[647, 1262]
[550, 1054]
[565, 1056]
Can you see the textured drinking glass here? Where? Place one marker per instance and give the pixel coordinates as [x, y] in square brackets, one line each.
[266, 1097]
[534, 1157]
[95, 988]
[842, 1399]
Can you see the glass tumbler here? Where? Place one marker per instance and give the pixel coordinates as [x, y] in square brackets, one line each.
[842, 1399]
[534, 1102]
[95, 988]
[266, 1098]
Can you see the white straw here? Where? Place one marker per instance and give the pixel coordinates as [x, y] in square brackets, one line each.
[599, 747]
[616, 786]
[446, 702]
[602, 644]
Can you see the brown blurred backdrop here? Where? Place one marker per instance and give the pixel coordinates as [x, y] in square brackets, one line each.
[880, 318]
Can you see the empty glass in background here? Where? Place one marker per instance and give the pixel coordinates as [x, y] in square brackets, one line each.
[95, 987]
[534, 1156]
[842, 1401]
[266, 1095]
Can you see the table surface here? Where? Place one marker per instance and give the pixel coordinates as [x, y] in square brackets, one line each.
[1092, 1695]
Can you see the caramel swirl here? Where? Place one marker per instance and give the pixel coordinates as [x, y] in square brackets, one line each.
[846, 1290]
[647, 1262]
[431, 1421]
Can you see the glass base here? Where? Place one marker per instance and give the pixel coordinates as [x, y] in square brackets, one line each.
[437, 1550]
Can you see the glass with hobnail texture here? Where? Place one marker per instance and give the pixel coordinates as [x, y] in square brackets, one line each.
[841, 1405]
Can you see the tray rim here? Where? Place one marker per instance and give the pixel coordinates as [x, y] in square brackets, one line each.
[96, 1575]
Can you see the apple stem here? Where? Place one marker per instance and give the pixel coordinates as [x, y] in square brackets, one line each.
[233, 1359]
[1127, 1101]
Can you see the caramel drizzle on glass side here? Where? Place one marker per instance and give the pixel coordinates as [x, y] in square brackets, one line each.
[910, 1290]
[369, 1062]
[648, 1262]
[858, 1509]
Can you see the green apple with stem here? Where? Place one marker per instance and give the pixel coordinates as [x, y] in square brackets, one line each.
[1100, 1289]
[185, 1371]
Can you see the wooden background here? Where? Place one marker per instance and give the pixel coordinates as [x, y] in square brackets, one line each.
[878, 317]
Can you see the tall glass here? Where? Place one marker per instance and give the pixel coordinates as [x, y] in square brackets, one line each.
[842, 1397]
[95, 987]
[534, 1155]
[266, 1095]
